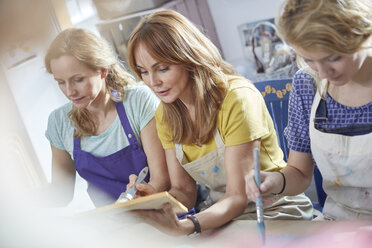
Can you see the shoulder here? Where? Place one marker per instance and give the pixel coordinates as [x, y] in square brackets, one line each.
[138, 90]
[303, 81]
[159, 113]
[140, 97]
[241, 89]
[60, 113]
[59, 128]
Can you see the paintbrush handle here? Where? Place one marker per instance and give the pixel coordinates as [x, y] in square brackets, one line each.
[141, 176]
[259, 204]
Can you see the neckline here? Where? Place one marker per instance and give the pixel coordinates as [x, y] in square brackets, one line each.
[331, 99]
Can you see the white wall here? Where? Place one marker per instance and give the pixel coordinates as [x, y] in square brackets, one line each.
[229, 14]
[19, 166]
[36, 94]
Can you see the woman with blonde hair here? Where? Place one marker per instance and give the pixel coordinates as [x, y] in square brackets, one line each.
[330, 106]
[209, 121]
[107, 131]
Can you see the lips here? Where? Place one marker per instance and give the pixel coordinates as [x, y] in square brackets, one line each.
[162, 92]
[334, 79]
[77, 100]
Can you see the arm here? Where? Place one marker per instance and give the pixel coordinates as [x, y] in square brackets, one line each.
[183, 186]
[154, 151]
[298, 174]
[61, 189]
[299, 169]
[238, 161]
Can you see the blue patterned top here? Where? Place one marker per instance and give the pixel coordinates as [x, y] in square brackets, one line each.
[300, 103]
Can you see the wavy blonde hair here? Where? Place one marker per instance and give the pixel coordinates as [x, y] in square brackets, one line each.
[96, 53]
[172, 39]
[339, 27]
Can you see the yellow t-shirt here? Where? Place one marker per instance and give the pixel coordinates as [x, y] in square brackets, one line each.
[243, 118]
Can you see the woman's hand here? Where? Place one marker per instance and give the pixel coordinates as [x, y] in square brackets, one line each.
[271, 182]
[143, 188]
[164, 220]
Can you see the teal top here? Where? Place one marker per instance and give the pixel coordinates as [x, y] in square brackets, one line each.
[140, 104]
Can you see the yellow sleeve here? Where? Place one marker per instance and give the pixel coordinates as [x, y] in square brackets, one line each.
[164, 132]
[243, 116]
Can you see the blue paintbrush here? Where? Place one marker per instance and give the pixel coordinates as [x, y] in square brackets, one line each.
[259, 204]
[127, 196]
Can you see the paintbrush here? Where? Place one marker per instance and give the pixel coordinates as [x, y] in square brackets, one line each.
[259, 204]
[126, 196]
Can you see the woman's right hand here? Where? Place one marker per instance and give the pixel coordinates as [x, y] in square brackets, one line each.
[143, 188]
[271, 182]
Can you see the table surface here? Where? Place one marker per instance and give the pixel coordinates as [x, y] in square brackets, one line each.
[243, 233]
[27, 227]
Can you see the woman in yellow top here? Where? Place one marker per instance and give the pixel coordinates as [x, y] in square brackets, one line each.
[209, 121]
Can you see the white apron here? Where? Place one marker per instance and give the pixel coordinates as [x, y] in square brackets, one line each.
[345, 163]
[210, 171]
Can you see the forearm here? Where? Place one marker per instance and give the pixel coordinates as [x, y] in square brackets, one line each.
[186, 197]
[160, 183]
[222, 212]
[296, 181]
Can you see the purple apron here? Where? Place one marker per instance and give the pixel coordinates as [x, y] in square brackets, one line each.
[108, 176]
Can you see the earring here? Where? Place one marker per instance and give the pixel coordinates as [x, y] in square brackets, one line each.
[104, 73]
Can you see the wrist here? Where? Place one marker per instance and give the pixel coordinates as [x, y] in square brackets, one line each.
[195, 226]
[186, 226]
[283, 183]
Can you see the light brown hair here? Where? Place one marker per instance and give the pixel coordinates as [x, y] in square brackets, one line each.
[171, 38]
[330, 26]
[96, 53]
[340, 27]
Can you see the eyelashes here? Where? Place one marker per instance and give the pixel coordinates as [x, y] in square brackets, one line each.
[163, 69]
[335, 59]
[331, 59]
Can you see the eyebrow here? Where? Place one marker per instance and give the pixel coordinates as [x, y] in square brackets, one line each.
[154, 65]
[78, 74]
[325, 58]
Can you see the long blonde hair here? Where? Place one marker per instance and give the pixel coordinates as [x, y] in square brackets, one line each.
[341, 27]
[172, 39]
[97, 54]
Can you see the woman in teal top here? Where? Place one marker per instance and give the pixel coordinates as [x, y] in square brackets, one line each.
[107, 132]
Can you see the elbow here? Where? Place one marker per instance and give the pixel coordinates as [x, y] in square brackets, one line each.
[238, 203]
[307, 182]
[160, 182]
[165, 185]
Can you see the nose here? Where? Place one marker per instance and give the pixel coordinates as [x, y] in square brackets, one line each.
[154, 80]
[70, 90]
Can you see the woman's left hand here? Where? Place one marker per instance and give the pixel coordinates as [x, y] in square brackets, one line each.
[164, 220]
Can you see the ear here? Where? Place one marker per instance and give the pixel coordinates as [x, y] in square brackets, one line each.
[104, 72]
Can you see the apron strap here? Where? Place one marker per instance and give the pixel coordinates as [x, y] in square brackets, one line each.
[76, 144]
[179, 151]
[316, 101]
[125, 123]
